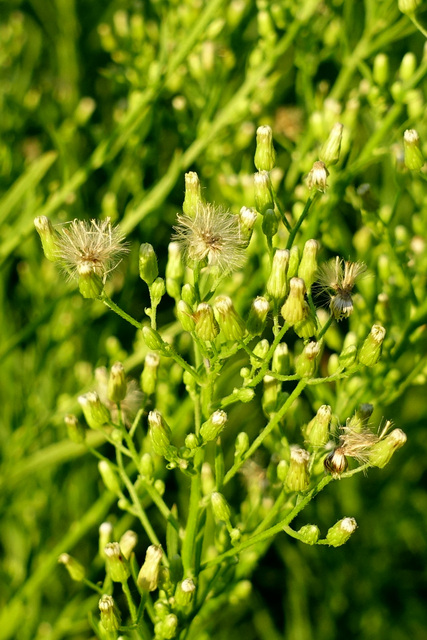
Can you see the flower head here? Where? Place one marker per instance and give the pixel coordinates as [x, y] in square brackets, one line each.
[340, 276]
[213, 234]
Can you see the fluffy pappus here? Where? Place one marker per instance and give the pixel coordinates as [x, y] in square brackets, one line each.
[340, 276]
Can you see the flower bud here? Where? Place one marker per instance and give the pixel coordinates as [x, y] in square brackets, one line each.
[247, 219]
[370, 351]
[148, 576]
[76, 431]
[47, 235]
[206, 326]
[95, 413]
[241, 445]
[281, 362]
[317, 430]
[263, 193]
[193, 194]
[117, 386]
[185, 592]
[294, 260]
[109, 614]
[270, 223]
[188, 294]
[277, 286]
[282, 470]
[75, 569]
[335, 462]
[192, 441]
[407, 66]
[157, 291]
[341, 532]
[307, 328]
[160, 434]
[185, 316]
[230, 323]
[128, 542]
[174, 270]
[258, 316]
[265, 156]
[213, 426]
[308, 266]
[295, 308]
[381, 70]
[348, 357]
[90, 283]
[147, 466]
[148, 269]
[244, 394]
[270, 394]
[207, 479]
[220, 507]
[260, 350]
[166, 628]
[116, 563]
[149, 373]
[316, 180]
[306, 363]
[109, 477]
[382, 451]
[414, 159]
[105, 536]
[298, 477]
[309, 534]
[409, 6]
[152, 339]
[330, 152]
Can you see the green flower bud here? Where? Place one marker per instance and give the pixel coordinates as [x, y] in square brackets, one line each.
[105, 536]
[330, 152]
[185, 316]
[282, 470]
[270, 223]
[298, 476]
[382, 451]
[220, 507]
[148, 269]
[407, 66]
[147, 466]
[149, 373]
[409, 6]
[206, 326]
[277, 286]
[116, 564]
[270, 395]
[263, 192]
[307, 328]
[148, 576]
[213, 426]
[244, 394]
[295, 308]
[185, 592]
[76, 431]
[309, 534]
[241, 445]
[48, 237]
[193, 194]
[75, 569]
[174, 270]
[109, 614]
[230, 323]
[265, 156]
[188, 294]
[166, 628]
[317, 430]
[152, 339]
[90, 283]
[95, 413]
[306, 363]
[348, 357]
[160, 434]
[370, 351]
[316, 180]
[414, 159]
[260, 350]
[308, 266]
[157, 291]
[281, 362]
[294, 260]
[128, 542]
[258, 316]
[341, 532]
[192, 442]
[207, 479]
[381, 71]
[247, 220]
[109, 477]
[117, 386]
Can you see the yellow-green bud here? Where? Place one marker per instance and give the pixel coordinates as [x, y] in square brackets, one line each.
[116, 564]
[109, 477]
[409, 6]
[260, 350]
[220, 507]
[75, 569]
[277, 285]
[166, 628]
[192, 441]
[207, 479]
[48, 237]
[213, 426]
[407, 66]
[76, 431]
[306, 363]
[160, 434]
[263, 192]
[282, 470]
[90, 283]
[309, 534]
[185, 316]
[147, 466]
[414, 159]
[117, 386]
[265, 156]
[295, 308]
[381, 69]
[317, 430]
[247, 219]
[258, 316]
[174, 270]
[128, 542]
[316, 180]
[193, 194]
[157, 291]
[149, 373]
[95, 413]
[298, 476]
[308, 266]
[152, 339]
[148, 269]
[185, 592]
[341, 532]
[348, 357]
[270, 223]
[330, 152]
[230, 323]
[307, 328]
[370, 351]
[241, 445]
[188, 294]
[148, 576]
[109, 614]
[270, 395]
[382, 451]
[294, 260]
[206, 326]
[244, 394]
[105, 536]
[281, 362]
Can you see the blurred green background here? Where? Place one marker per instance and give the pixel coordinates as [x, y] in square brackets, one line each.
[104, 107]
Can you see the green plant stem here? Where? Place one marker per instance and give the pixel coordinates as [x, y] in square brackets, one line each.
[325, 327]
[267, 430]
[131, 604]
[188, 545]
[114, 307]
[300, 220]
[269, 355]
